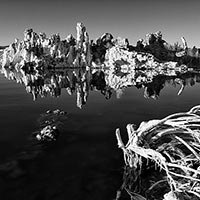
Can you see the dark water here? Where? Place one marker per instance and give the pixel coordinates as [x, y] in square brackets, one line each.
[84, 163]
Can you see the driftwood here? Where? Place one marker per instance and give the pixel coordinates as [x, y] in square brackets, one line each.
[173, 145]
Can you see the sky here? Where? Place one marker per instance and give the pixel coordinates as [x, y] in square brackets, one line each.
[131, 19]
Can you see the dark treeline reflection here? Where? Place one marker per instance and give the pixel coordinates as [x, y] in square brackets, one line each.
[80, 81]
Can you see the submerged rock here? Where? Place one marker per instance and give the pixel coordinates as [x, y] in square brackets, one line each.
[48, 133]
[50, 125]
[12, 169]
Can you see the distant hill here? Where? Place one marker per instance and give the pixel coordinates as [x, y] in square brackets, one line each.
[3, 47]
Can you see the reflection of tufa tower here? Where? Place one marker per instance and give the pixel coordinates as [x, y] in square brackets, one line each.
[82, 88]
[119, 93]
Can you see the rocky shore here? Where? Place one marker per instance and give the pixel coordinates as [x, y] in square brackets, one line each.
[40, 51]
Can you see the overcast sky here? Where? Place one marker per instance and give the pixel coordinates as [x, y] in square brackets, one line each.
[126, 18]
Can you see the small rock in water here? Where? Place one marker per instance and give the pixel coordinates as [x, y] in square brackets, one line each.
[48, 111]
[49, 125]
[57, 111]
[48, 133]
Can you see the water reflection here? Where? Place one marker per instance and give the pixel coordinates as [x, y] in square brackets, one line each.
[80, 81]
[88, 135]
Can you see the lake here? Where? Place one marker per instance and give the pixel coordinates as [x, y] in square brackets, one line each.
[85, 162]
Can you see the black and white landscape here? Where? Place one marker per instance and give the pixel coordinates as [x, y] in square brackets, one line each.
[99, 100]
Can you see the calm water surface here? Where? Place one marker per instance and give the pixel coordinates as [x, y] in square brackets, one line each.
[84, 163]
